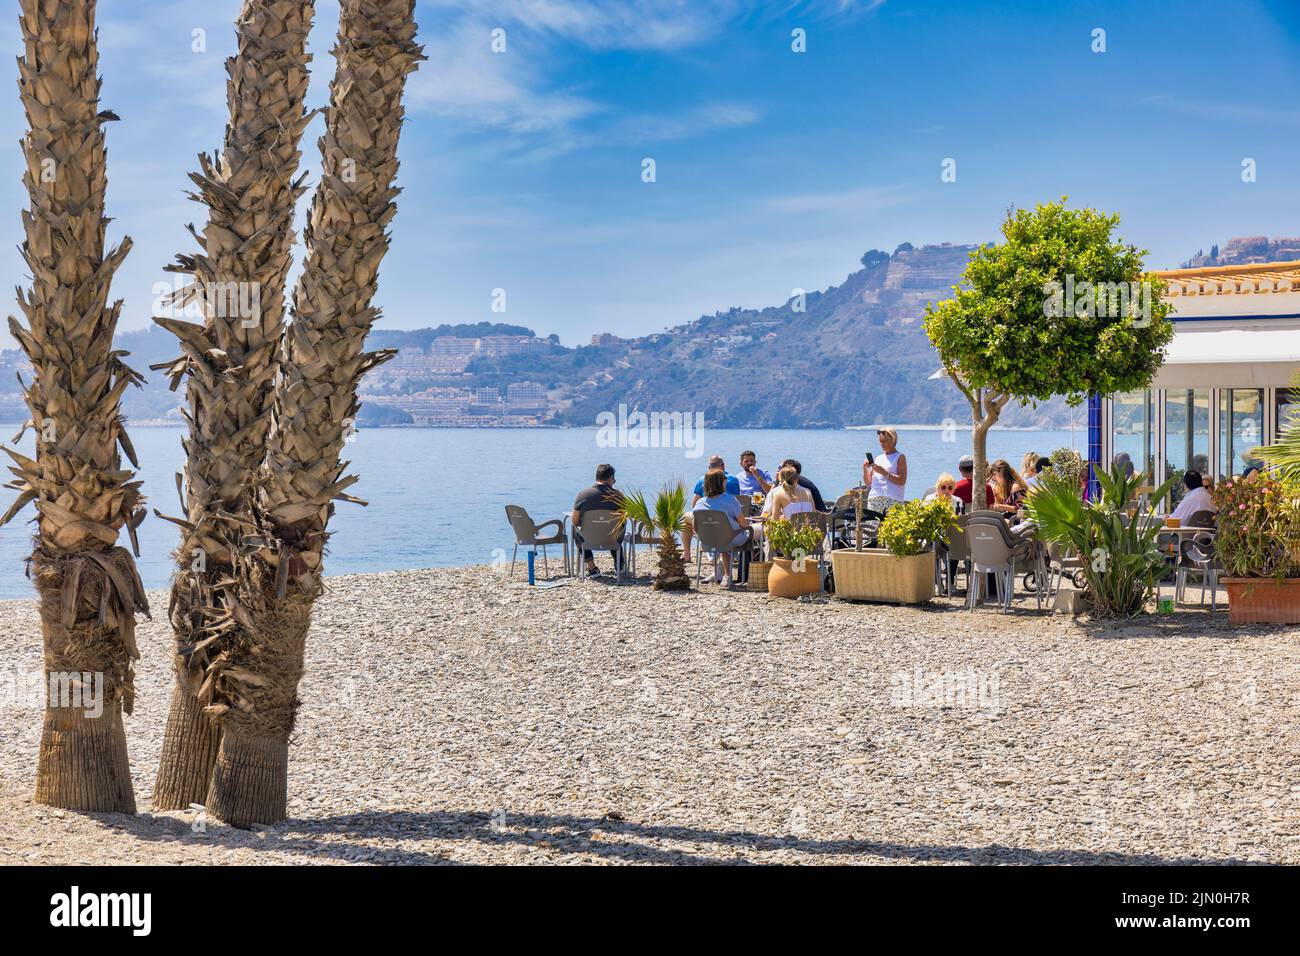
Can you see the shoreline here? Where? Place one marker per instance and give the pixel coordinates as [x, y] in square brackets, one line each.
[449, 716]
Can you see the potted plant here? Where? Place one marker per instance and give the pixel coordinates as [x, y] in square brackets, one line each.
[792, 573]
[1122, 561]
[1258, 527]
[664, 518]
[902, 571]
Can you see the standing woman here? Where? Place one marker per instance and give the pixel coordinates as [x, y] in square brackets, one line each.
[886, 475]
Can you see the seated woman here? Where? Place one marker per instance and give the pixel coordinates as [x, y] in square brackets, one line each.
[715, 498]
[944, 486]
[788, 497]
[1009, 489]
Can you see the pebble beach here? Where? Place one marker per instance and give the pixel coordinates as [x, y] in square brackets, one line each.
[457, 716]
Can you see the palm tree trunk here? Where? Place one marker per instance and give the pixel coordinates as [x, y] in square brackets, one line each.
[672, 574]
[228, 364]
[88, 586]
[322, 361]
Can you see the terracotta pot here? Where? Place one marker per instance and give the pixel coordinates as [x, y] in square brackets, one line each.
[784, 581]
[874, 574]
[1263, 600]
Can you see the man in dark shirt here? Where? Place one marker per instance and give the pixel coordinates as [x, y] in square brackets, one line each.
[818, 502]
[602, 496]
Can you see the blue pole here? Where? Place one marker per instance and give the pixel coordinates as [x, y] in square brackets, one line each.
[1094, 446]
[532, 566]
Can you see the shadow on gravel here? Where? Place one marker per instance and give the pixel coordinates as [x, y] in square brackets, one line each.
[622, 841]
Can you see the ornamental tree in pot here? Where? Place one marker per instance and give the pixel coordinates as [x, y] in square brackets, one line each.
[1258, 543]
[902, 570]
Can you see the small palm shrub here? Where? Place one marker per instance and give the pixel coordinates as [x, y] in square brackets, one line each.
[1121, 561]
[664, 518]
[912, 527]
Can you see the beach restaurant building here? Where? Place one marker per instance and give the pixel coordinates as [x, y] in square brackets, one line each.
[1223, 388]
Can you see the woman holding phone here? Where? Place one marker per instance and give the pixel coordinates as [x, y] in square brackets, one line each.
[886, 476]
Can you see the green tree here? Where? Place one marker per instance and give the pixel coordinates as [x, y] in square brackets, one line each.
[1059, 307]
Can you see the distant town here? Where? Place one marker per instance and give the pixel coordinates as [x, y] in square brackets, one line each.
[490, 374]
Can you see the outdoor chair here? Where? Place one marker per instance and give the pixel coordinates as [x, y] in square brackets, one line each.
[600, 531]
[1201, 519]
[954, 550]
[995, 550]
[1062, 561]
[746, 504]
[637, 535]
[1197, 556]
[714, 533]
[529, 535]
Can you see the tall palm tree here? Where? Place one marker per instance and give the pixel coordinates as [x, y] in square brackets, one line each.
[228, 364]
[88, 585]
[322, 360]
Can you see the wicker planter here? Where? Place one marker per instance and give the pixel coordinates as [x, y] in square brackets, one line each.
[1263, 600]
[875, 574]
[758, 571]
[784, 581]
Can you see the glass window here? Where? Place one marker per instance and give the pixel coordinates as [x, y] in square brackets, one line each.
[1133, 432]
[1187, 434]
[1241, 429]
[1287, 407]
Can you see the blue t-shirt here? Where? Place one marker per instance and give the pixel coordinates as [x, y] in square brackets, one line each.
[733, 486]
[725, 503]
[749, 484]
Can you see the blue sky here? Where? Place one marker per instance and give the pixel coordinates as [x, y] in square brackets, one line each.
[775, 169]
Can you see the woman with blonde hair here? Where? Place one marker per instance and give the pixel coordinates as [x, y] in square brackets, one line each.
[886, 476]
[788, 496]
[1029, 465]
[944, 486]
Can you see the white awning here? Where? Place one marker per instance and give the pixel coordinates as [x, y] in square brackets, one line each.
[1229, 358]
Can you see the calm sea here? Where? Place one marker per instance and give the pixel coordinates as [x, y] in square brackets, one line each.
[437, 495]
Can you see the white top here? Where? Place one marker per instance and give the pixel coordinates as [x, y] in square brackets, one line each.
[1198, 499]
[880, 485]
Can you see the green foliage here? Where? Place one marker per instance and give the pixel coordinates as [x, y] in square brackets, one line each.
[1069, 464]
[668, 511]
[788, 541]
[1121, 561]
[911, 527]
[998, 332]
[1259, 526]
[1284, 454]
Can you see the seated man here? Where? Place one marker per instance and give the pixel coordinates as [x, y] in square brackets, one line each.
[753, 480]
[1196, 499]
[717, 498]
[602, 496]
[966, 465]
[733, 488]
[818, 502]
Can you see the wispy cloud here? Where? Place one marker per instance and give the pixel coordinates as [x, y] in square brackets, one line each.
[1228, 112]
[846, 201]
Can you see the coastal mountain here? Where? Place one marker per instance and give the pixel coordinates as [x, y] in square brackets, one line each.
[852, 354]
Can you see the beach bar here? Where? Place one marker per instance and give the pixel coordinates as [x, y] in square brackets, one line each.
[1223, 389]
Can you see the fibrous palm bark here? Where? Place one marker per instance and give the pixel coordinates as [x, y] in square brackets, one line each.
[322, 361]
[229, 366]
[88, 585]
